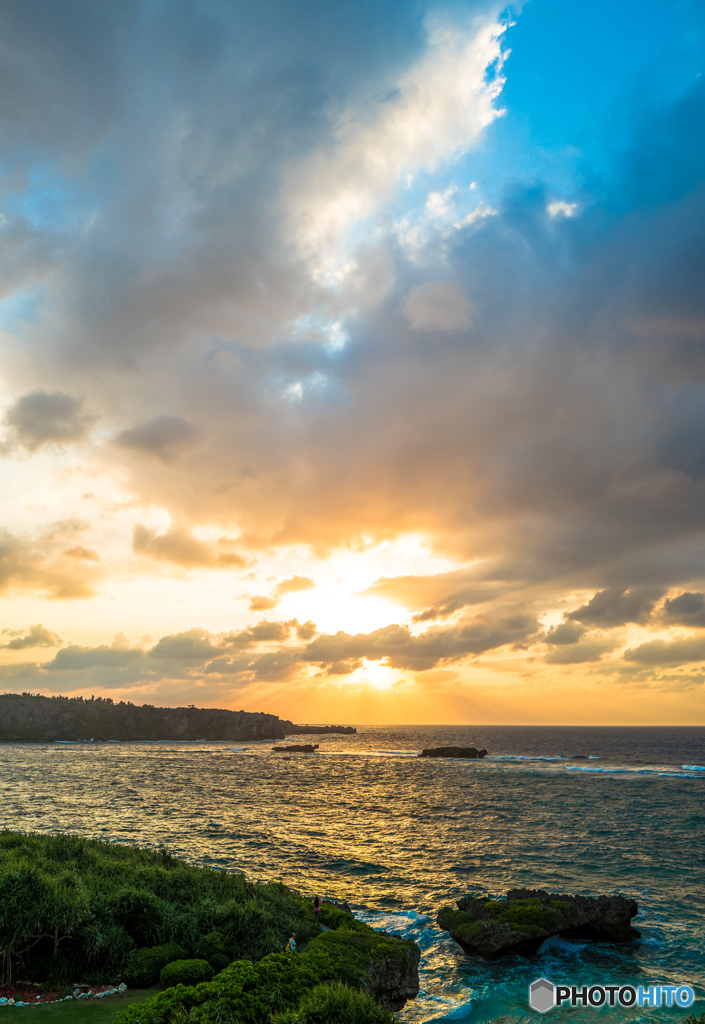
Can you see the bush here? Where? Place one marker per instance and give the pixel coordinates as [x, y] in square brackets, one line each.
[219, 961]
[186, 972]
[249, 993]
[336, 1004]
[74, 909]
[337, 918]
[145, 965]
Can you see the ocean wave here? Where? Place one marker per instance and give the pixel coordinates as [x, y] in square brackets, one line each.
[403, 753]
[454, 1009]
[694, 767]
[524, 757]
[676, 775]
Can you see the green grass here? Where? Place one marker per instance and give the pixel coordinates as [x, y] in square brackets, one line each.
[86, 1011]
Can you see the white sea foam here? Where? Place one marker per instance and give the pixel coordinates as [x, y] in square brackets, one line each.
[694, 767]
[523, 757]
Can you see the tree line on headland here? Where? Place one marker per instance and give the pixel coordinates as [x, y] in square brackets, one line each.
[35, 717]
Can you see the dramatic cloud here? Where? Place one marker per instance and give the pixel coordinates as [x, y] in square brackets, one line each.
[38, 419]
[668, 652]
[179, 546]
[38, 564]
[290, 282]
[685, 610]
[577, 653]
[36, 636]
[399, 648]
[291, 586]
[564, 633]
[441, 595]
[615, 607]
[163, 437]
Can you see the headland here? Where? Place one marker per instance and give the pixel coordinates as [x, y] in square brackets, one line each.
[33, 717]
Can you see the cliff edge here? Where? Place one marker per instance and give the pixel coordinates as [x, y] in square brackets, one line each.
[36, 718]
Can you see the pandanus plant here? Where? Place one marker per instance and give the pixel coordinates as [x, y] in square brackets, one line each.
[35, 907]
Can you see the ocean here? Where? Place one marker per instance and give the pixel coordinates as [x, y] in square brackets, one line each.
[570, 809]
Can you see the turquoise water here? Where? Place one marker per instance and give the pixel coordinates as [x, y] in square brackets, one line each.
[568, 809]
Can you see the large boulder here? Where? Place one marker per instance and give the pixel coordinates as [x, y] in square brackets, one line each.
[521, 922]
[394, 975]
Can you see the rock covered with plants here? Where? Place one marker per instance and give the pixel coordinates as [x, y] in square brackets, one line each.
[526, 917]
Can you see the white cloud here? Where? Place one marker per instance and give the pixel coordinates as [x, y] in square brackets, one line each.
[440, 107]
[559, 208]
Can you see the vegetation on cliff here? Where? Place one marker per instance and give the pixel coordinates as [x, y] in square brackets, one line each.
[34, 717]
[73, 910]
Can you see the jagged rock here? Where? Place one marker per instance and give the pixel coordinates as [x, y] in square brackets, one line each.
[519, 924]
[393, 979]
[300, 748]
[469, 752]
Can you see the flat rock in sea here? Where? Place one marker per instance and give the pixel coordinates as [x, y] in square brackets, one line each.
[300, 748]
[521, 922]
[466, 752]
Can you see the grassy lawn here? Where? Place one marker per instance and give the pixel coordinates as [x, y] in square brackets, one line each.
[83, 1011]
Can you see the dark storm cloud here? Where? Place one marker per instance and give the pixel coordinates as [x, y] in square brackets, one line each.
[564, 633]
[162, 437]
[39, 418]
[615, 607]
[687, 609]
[578, 653]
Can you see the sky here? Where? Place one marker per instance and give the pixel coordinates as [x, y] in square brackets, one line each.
[353, 357]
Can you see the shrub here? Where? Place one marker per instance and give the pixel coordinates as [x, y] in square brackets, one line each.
[249, 993]
[219, 961]
[145, 965]
[186, 972]
[74, 909]
[337, 918]
[336, 1004]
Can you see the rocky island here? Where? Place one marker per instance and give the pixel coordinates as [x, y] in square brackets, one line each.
[521, 922]
[298, 748]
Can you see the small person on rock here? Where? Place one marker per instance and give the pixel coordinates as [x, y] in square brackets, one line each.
[291, 944]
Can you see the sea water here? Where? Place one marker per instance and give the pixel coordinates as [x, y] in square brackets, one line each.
[572, 810]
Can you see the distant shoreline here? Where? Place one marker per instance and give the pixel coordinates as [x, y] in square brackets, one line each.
[34, 718]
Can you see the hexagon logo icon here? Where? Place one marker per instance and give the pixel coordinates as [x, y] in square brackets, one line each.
[541, 995]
